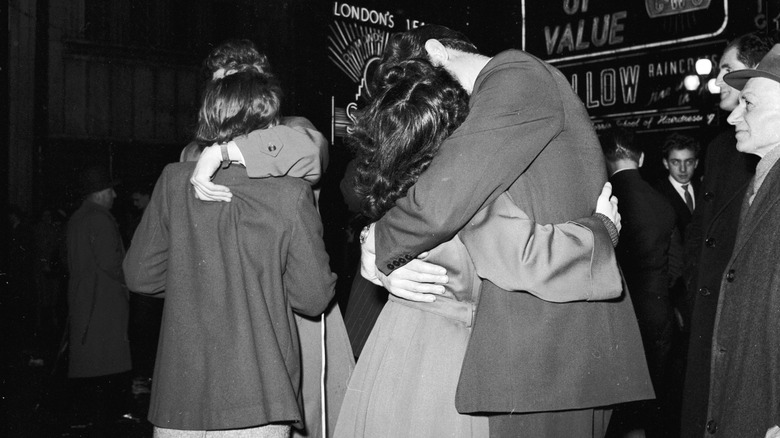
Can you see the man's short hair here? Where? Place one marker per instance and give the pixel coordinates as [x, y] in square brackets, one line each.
[678, 142]
[409, 45]
[237, 105]
[236, 55]
[618, 143]
[751, 47]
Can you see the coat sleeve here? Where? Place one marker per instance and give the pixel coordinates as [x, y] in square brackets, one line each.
[296, 151]
[146, 263]
[308, 281]
[567, 262]
[515, 112]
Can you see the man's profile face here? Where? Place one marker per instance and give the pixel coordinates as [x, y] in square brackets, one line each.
[729, 97]
[757, 117]
[681, 163]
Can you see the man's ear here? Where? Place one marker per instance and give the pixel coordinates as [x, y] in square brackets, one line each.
[641, 159]
[437, 53]
[666, 164]
[696, 163]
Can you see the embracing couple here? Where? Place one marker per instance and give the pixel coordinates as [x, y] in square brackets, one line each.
[507, 315]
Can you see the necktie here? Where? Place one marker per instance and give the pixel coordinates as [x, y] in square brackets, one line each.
[688, 198]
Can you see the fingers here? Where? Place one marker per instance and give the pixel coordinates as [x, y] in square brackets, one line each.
[427, 269]
[208, 191]
[607, 190]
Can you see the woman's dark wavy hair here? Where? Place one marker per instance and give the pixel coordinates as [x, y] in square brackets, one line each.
[398, 134]
[405, 46]
[236, 105]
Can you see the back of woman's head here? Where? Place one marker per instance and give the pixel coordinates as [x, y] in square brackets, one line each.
[236, 105]
[400, 132]
[234, 55]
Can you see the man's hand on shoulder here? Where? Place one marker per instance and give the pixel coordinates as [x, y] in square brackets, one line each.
[418, 280]
[608, 205]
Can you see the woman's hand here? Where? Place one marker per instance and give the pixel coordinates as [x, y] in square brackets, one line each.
[208, 163]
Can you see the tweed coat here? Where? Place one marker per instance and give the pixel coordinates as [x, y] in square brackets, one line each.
[744, 398]
[98, 301]
[529, 133]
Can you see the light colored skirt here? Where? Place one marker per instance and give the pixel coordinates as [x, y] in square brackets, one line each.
[267, 431]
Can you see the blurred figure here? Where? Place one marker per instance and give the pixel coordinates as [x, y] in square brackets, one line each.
[745, 376]
[145, 317]
[648, 236]
[97, 298]
[681, 158]
[713, 230]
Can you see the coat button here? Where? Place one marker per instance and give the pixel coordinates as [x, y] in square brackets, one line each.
[730, 276]
[703, 291]
[271, 147]
[708, 196]
[396, 263]
[712, 427]
[408, 258]
[390, 266]
[710, 242]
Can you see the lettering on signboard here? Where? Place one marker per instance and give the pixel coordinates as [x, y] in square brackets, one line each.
[602, 89]
[596, 31]
[364, 15]
[663, 8]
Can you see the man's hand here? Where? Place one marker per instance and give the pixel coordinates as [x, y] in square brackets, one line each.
[208, 163]
[418, 280]
[608, 205]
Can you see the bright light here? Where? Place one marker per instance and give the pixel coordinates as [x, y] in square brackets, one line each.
[703, 67]
[691, 82]
[713, 87]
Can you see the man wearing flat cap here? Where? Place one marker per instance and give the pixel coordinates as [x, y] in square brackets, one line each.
[745, 367]
[97, 297]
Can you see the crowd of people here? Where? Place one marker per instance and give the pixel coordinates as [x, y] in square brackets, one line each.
[536, 284]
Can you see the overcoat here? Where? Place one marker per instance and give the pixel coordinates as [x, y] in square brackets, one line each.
[708, 247]
[744, 397]
[98, 300]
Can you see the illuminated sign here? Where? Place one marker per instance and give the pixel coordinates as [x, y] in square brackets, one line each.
[566, 30]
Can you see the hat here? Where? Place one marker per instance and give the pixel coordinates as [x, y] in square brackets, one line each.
[769, 68]
[94, 179]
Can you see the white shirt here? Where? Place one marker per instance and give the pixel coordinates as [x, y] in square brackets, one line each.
[678, 187]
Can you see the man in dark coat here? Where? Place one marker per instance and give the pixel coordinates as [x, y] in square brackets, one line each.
[681, 158]
[744, 395]
[712, 232]
[526, 357]
[97, 297]
[647, 238]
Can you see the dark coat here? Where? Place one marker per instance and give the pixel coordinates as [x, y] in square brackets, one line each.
[646, 240]
[98, 302]
[681, 211]
[525, 354]
[708, 248]
[744, 398]
[233, 273]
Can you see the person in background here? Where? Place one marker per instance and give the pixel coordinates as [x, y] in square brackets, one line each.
[295, 148]
[680, 159]
[647, 238]
[712, 232]
[233, 273]
[744, 377]
[99, 350]
[145, 314]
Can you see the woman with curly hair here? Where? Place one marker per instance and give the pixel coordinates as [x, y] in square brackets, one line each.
[405, 380]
